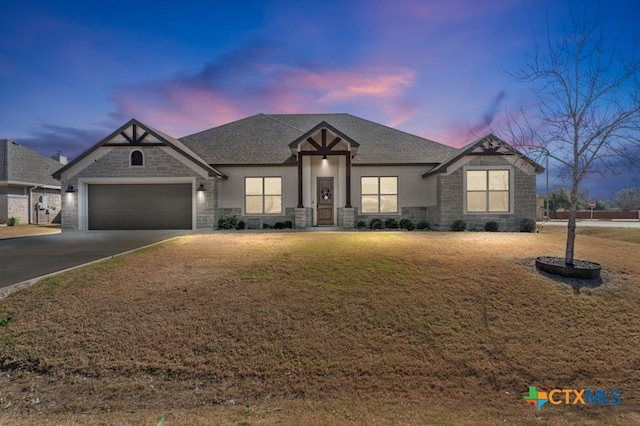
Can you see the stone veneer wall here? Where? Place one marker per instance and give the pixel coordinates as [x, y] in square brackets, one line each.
[451, 200]
[157, 163]
[17, 206]
[69, 214]
[3, 208]
[205, 204]
[49, 213]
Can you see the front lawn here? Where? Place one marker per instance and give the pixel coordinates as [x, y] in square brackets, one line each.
[324, 328]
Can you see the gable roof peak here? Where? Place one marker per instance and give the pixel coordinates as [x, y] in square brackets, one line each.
[164, 138]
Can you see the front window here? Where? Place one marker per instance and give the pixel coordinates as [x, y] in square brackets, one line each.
[488, 191]
[379, 194]
[263, 195]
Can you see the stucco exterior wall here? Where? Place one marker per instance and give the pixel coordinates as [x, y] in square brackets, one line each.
[231, 194]
[414, 192]
[232, 190]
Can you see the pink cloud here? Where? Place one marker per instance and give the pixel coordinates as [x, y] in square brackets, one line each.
[187, 104]
[341, 85]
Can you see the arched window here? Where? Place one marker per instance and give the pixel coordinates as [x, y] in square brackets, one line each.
[136, 158]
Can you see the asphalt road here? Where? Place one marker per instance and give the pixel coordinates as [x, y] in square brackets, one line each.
[23, 259]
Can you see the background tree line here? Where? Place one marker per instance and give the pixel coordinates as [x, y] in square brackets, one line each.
[624, 199]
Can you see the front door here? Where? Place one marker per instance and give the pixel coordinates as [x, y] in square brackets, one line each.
[325, 201]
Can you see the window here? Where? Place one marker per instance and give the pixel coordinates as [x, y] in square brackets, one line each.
[488, 191]
[379, 194]
[136, 158]
[263, 195]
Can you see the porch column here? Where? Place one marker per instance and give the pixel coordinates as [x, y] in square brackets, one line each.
[348, 179]
[300, 205]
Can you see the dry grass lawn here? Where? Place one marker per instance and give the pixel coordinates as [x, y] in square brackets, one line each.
[630, 235]
[28, 230]
[324, 328]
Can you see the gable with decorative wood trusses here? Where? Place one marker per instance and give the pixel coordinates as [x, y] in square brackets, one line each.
[489, 145]
[136, 134]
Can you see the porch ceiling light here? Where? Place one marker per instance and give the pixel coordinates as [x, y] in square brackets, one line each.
[70, 189]
[201, 188]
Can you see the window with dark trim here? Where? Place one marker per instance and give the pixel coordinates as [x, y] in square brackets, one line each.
[263, 195]
[379, 194]
[137, 158]
[488, 191]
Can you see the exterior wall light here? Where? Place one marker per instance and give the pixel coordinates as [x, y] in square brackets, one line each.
[201, 188]
[70, 189]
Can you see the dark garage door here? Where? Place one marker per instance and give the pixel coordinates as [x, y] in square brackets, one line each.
[162, 206]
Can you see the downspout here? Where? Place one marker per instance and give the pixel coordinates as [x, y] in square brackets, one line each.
[31, 208]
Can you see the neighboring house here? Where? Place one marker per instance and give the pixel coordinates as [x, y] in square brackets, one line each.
[310, 169]
[27, 189]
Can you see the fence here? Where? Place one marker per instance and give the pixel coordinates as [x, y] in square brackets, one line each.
[597, 214]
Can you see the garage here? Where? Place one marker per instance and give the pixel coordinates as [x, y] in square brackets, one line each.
[140, 206]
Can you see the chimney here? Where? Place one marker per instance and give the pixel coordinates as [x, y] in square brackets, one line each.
[62, 159]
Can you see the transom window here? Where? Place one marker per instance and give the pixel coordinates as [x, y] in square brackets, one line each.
[379, 194]
[263, 195]
[136, 158]
[488, 191]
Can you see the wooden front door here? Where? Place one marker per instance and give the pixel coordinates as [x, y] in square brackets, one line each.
[325, 201]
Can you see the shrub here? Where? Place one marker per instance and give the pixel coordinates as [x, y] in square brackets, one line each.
[227, 222]
[279, 225]
[266, 226]
[527, 225]
[361, 224]
[288, 224]
[14, 221]
[491, 226]
[240, 225]
[407, 224]
[458, 225]
[376, 224]
[391, 223]
[422, 225]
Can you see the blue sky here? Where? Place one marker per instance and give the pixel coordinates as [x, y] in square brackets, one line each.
[73, 71]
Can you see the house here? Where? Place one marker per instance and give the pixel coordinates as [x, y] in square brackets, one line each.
[310, 169]
[27, 189]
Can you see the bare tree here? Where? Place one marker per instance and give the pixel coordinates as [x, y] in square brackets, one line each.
[627, 199]
[587, 116]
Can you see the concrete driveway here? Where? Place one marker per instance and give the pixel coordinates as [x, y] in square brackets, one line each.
[23, 259]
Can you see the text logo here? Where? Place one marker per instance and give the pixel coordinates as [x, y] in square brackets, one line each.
[572, 397]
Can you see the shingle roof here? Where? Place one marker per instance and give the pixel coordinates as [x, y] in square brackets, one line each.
[20, 164]
[182, 148]
[264, 139]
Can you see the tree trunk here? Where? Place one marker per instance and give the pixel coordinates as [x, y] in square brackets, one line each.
[571, 236]
[571, 225]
